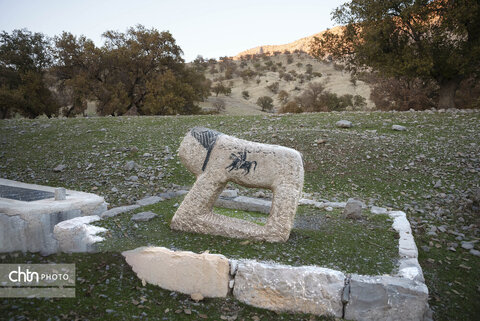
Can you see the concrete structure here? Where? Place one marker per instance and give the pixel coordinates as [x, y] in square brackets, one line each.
[28, 214]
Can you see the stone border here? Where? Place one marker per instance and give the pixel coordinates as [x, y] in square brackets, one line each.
[402, 295]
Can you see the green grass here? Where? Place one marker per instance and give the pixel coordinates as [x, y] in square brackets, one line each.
[107, 289]
[369, 161]
[326, 239]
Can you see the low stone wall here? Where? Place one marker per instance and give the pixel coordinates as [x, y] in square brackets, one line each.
[402, 295]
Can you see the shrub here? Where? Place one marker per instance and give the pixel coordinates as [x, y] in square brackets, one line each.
[359, 102]
[289, 59]
[291, 107]
[245, 94]
[282, 97]
[273, 87]
[265, 102]
[309, 69]
[219, 104]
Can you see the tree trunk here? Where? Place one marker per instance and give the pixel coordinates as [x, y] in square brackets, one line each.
[447, 91]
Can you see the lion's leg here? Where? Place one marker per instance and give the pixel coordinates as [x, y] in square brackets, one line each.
[197, 203]
[282, 213]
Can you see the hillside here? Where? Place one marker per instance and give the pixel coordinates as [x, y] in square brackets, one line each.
[293, 73]
[302, 44]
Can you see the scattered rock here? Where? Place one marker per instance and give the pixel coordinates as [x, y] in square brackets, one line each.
[353, 209]
[114, 190]
[149, 200]
[133, 178]
[378, 210]
[59, 168]
[399, 128]
[119, 210]
[196, 296]
[134, 149]
[143, 216]
[475, 252]
[131, 165]
[147, 155]
[467, 245]
[343, 124]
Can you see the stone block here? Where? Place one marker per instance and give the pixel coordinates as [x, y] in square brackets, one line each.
[77, 235]
[245, 203]
[386, 298]
[305, 289]
[119, 210]
[181, 271]
[149, 200]
[229, 193]
[143, 216]
[406, 244]
[378, 210]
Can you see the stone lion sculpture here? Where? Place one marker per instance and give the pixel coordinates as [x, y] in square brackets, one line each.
[217, 159]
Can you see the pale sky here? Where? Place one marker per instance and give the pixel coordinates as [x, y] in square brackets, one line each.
[209, 28]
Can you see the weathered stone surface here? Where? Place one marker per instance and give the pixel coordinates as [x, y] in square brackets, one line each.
[28, 226]
[306, 289]
[378, 210]
[386, 298]
[143, 216]
[119, 210]
[59, 168]
[399, 128]
[245, 203]
[343, 124]
[335, 204]
[170, 195]
[149, 200]
[229, 193]
[217, 159]
[410, 268]
[78, 235]
[60, 194]
[406, 244]
[182, 271]
[131, 165]
[353, 209]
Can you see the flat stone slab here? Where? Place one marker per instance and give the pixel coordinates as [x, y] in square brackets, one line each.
[182, 271]
[385, 298]
[143, 217]
[306, 289]
[78, 235]
[119, 210]
[245, 203]
[28, 225]
[149, 200]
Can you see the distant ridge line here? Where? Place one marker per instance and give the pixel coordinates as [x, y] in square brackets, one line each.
[302, 44]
